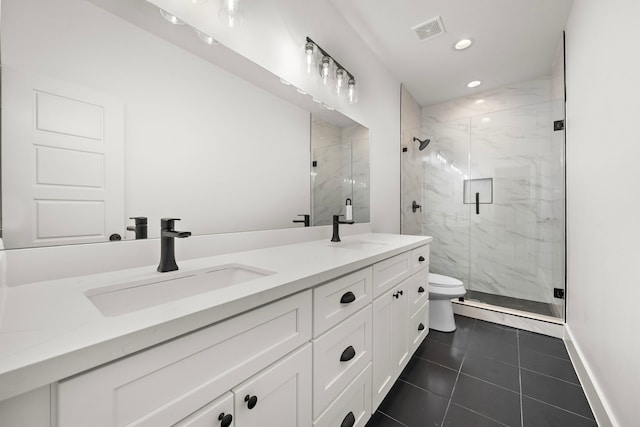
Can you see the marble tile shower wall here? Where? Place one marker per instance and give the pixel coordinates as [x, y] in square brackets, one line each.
[411, 176]
[515, 246]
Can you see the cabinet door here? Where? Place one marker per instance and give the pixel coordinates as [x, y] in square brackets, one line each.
[279, 396]
[390, 340]
[218, 413]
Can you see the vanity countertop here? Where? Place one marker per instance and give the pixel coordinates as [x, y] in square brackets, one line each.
[51, 330]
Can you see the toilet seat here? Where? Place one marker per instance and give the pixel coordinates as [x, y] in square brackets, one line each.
[443, 281]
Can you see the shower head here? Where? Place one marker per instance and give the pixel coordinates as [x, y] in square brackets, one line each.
[423, 144]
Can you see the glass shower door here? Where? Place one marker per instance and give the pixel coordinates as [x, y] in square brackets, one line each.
[515, 193]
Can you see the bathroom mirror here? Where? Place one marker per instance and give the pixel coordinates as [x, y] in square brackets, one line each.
[112, 112]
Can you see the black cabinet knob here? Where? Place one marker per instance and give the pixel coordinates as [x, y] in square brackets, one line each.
[396, 295]
[349, 420]
[421, 327]
[348, 354]
[347, 298]
[421, 259]
[225, 419]
[420, 289]
[400, 292]
[251, 401]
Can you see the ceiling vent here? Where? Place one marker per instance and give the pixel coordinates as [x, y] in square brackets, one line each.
[430, 29]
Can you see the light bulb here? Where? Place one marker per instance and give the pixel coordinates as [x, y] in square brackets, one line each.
[340, 80]
[309, 50]
[230, 13]
[352, 91]
[325, 70]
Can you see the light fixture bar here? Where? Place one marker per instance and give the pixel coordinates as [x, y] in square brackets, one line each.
[324, 53]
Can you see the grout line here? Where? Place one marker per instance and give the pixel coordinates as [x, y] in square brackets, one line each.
[520, 380]
[482, 415]
[562, 409]
[436, 363]
[455, 383]
[489, 382]
[552, 377]
[493, 358]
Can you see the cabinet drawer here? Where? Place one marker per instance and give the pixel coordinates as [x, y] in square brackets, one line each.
[420, 258]
[353, 403]
[418, 288]
[418, 327]
[350, 340]
[279, 396]
[210, 415]
[335, 301]
[390, 272]
[165, 384]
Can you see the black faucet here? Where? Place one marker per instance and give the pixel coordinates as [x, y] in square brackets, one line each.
[140, 228]
[336, 222]
[306, 220]
[167, 244]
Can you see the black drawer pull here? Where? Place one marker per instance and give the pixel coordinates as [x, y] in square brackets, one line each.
[420, 289]
[349, 420]
[251, 401]
[348, 354]
[421, 327]
[400, 292]
[347, 298]
[421, 259]
[225, 419]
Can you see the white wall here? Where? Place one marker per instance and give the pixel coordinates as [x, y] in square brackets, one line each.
[603, 201]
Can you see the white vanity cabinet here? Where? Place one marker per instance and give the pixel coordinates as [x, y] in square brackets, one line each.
[400, 321]
[166, 384]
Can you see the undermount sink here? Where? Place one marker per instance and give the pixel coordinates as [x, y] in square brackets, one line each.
[358, 245]
[122, 298]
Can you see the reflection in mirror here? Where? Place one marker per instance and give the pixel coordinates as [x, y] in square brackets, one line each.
[340, 170]
[136, 117]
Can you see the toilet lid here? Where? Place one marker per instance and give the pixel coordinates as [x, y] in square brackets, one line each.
[444, 281]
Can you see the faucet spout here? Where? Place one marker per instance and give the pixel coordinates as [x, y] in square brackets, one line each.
[167, 244]
[336, 225]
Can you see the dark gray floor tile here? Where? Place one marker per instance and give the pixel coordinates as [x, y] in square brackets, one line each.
[464, 321]
[413, 406]
[491, 370]
[381, 420]
[487, 399]
[548, 365]
[443, 354]
[543, 344]
[493, 332]
[430, 376]
[496, 348]
[458, 338]
[555, 392]
[538, 414]
[457, 416]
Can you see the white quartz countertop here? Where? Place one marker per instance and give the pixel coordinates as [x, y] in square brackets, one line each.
[51, 330]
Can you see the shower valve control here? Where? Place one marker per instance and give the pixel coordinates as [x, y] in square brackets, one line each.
[415, 206]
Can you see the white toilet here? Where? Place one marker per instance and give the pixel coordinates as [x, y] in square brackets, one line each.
[441, 290]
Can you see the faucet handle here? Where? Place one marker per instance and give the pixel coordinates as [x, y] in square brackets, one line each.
[168, 223]
[140, 220]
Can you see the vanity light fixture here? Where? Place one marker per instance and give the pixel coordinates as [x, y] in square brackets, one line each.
[474, 83]
[230, 13]
[330, 70]
[463, 44]
[170, 18]
[207, 38]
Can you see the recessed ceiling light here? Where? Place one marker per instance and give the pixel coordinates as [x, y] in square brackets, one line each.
[463, 44]
[486, 119]
[171, 18]
[479, 101]
[474, 83]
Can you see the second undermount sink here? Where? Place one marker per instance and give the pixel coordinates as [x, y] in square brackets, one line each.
[122, 298]
[358, 245]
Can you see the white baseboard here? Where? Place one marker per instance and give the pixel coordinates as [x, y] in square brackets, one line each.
[599, 405]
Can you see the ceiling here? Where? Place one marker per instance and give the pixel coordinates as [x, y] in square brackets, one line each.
[515, 40]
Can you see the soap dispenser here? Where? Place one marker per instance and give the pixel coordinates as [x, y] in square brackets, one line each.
[348, 210]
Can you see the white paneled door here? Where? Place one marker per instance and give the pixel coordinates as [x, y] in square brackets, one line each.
[62, 162]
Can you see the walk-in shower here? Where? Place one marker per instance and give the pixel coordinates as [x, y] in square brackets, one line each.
[491, 188]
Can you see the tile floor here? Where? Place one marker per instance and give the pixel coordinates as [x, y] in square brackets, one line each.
[485, 374]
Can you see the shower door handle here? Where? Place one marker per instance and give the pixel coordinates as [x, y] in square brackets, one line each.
[477, 203]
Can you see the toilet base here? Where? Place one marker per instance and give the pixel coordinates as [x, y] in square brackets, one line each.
[441, 315]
